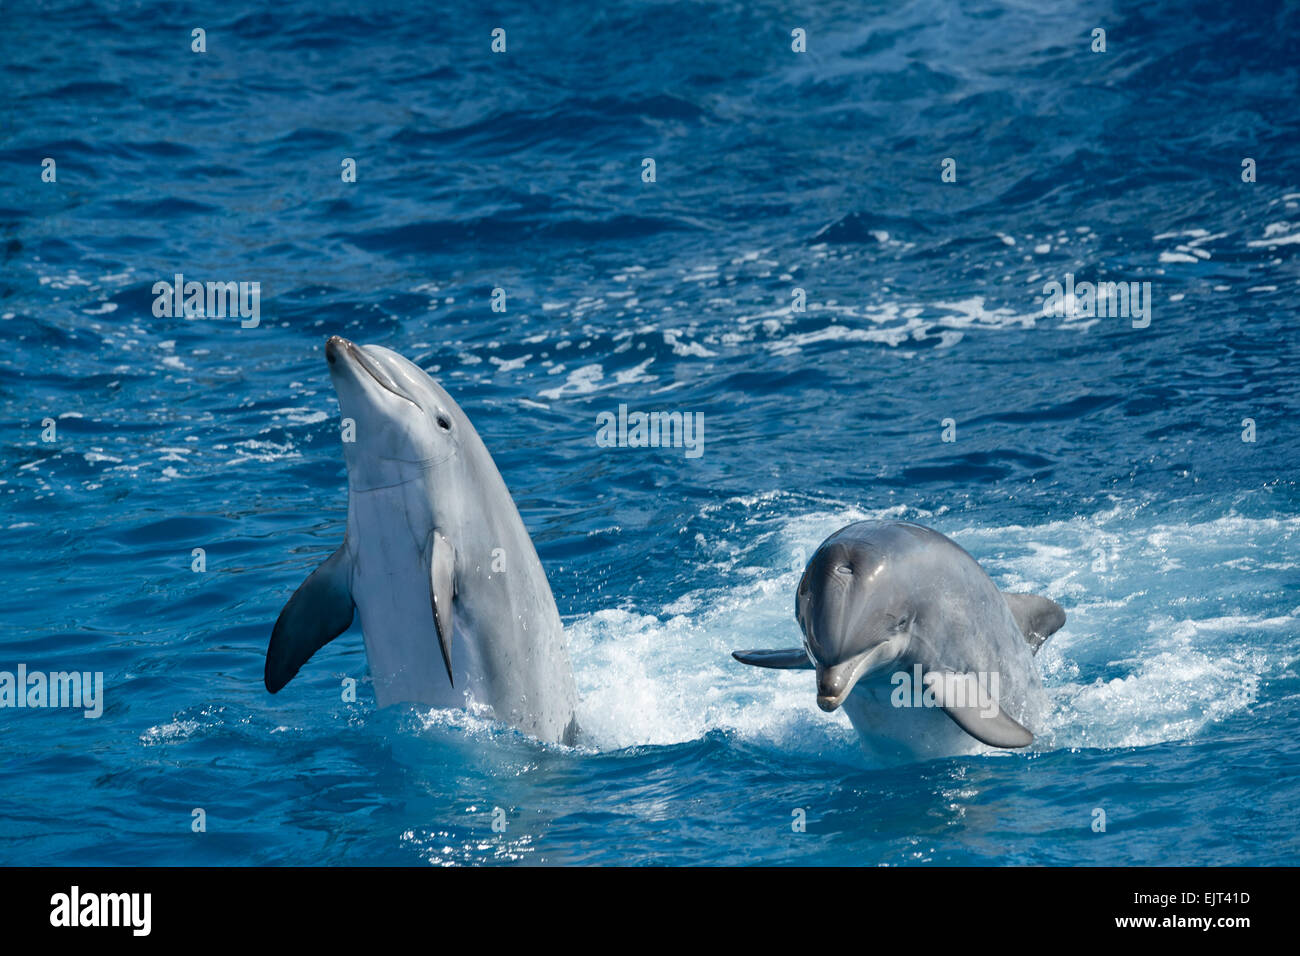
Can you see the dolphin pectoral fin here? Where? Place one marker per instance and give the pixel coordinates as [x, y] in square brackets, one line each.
[793, 658]
[1037, 617]
[975, 711]
[319, 611]
[442, 590]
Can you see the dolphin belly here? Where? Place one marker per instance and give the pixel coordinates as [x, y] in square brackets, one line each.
[508, 649]
[892, 734]
[391, 594]
[405, 665]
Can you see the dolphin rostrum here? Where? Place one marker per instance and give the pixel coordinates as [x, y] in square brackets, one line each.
[455, 607]
[909, 634]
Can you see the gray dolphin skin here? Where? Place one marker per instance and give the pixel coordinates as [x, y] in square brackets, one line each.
[912, 638]
[455, 608]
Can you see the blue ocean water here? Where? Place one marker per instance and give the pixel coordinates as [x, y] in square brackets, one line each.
[1100, 464]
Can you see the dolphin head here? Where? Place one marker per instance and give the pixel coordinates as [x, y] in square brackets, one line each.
[855, 615]
[405, 423]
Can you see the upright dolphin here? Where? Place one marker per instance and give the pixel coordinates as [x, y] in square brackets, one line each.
[455, 607]
[910, 635]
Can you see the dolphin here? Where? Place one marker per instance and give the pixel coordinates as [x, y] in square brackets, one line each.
[910, 635]
[455, 607]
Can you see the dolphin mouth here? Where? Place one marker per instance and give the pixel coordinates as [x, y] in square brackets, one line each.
[836, 682]
[340, 350]
[831, 703]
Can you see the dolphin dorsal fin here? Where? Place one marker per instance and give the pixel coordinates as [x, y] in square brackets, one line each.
[442, 591]
[1037, 617]
[319, 611]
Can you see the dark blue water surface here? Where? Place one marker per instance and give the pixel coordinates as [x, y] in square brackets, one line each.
[1098, 463]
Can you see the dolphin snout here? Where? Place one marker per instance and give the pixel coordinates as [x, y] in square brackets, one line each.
[836, 681]
[831, 689]
[358, 368]
[335, 347]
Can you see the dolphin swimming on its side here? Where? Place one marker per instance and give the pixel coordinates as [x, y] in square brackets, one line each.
[455, 607]
[909, 634]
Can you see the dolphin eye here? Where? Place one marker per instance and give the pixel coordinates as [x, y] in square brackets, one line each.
[444, 423]
[844, 569]
[901, 623]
